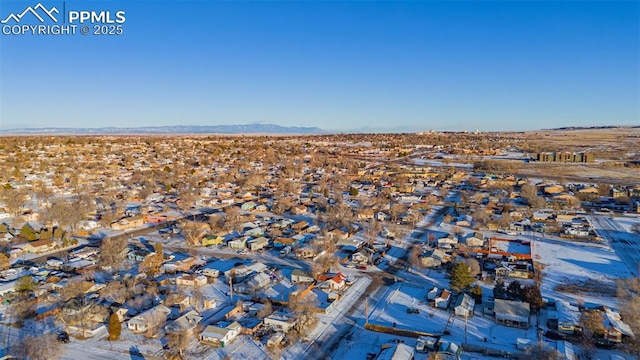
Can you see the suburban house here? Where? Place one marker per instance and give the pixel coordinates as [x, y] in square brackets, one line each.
[476, 239]
[366, 214]
[149, 319]
[568, 317]
[258, 244]
[513, 270]
[433, 258]
[137, 254]
[210, 272]
[439, 299]
[364, 256]
[398, 351]
[464, 306]
[280, 321]
[237, 244]
[182, 265]
[334, 281]
[39, 246]
[210, 240]
[305, 253]
[256, 282]
[239, 273]
[220, 335]
[255, 232]
[191, 280]
[128, 223]
[615, 328]
[75, 307]
[300, 276]
[281, 242]
[512, 313]
[187, 322]
[448, 241]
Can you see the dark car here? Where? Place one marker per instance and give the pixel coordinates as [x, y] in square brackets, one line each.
[63, 337]
[554, 335]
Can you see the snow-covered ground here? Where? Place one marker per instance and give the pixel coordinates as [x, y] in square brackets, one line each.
[628, 223]
[569, 262]
[617, 231]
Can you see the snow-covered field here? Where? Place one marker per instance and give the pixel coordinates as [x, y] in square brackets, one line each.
[569, 262]
[628, 223]
[617, 231]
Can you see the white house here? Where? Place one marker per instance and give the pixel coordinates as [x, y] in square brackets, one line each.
[280, 321]
[191, 280]
[464, 306]
[300, 276]
[475, 240]
[149, 319]
[433, 258]
[448, 241]
[220, 336]
[258, 244]
[237, 244]
[187, 322]
[512, 313]
[442, 300]
[257, 282]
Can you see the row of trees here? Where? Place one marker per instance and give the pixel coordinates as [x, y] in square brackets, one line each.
[515, 291]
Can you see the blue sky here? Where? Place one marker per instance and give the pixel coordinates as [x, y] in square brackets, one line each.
[344, 66]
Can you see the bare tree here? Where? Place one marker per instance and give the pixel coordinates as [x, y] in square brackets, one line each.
[37, 347]
[542, 351]
[116, 291]
[177, 342]
[266, 310]
[629, 301]
[592, 324]
[4, 261]
[112, 253]
[473, 265]
[22, 308]
[304, 308]
[14, 200]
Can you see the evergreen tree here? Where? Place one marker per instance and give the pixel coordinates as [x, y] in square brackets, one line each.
[532, 295]
[514, 290]
[476, 293]
[460, 277]
[28, 233]
[46, 234]
[25, 284]
[4, 261]
[58, 233]
[499, 290]
[114, 327]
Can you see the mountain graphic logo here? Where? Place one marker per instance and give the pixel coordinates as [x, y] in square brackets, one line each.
[35, 11]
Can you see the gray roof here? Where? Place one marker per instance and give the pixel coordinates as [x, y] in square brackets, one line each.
[396, 352]
[512, 310]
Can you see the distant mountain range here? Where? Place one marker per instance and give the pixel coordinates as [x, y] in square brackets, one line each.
[168, 130]
[596, 127]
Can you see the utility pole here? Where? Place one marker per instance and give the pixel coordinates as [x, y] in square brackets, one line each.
[466, 315]
[366, 311]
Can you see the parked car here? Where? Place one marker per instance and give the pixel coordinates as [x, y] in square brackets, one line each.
[554, 335]
[63, 337]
